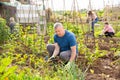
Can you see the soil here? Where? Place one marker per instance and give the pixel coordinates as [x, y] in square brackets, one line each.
[104, 43]
[103, 68]
[1, 49]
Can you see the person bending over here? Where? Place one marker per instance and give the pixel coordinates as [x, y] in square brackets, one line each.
[65, 45]
[92, 17]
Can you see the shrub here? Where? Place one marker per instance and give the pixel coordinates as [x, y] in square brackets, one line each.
[118, 34]
[3, 31]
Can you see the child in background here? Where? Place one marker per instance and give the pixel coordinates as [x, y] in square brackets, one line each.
[12, 24]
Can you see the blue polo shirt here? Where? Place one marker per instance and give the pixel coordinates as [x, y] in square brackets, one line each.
[67, 41]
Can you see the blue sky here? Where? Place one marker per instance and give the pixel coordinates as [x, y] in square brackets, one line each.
[96, 4]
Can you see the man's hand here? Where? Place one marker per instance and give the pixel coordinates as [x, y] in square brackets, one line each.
[51, 58]
[69, 65]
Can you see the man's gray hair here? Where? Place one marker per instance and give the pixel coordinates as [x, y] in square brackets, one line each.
[57, 24]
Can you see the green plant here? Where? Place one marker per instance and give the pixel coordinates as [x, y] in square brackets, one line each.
[5, 69]
[74, 73]
[4, 35]
[91, 57]
[118, 34]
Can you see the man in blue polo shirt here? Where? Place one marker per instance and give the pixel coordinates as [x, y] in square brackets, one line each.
[65, 44]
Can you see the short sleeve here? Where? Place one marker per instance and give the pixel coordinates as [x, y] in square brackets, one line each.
[72, 40]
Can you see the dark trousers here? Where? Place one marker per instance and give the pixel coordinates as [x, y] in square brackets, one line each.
[64, 55]
[109, 34]
[93, 23]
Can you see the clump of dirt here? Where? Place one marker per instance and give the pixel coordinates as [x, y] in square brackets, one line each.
[104, 47]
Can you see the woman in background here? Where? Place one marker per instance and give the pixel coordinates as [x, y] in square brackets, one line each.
[108, 30]
[92, 17]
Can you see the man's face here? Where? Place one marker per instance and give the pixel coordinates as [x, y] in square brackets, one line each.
[59, 31]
